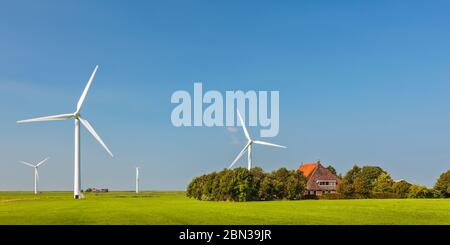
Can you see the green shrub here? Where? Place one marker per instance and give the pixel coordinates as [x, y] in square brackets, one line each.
[332, 196]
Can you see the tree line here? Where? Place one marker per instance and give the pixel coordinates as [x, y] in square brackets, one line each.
[242, 185]
[374, 182]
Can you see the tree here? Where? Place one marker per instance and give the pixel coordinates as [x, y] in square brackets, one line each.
[192, 187]
[207, 186]
[257, 178]
[359, 182]
[401, 188]
[442, 186]
[226, 185]
[369, 174]
[295, 185]
[419, 191]
[242, 189]
[352, 174]
[362, 189]
[346, 187]
[280, 177]
[383, 184]
[266, 190]
[332, 170]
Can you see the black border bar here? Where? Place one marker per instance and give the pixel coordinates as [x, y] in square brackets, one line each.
[277, 233]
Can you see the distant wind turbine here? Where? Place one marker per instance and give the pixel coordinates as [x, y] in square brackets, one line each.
[36, 174]
[248, 146]
[137, 180]
[77, 117]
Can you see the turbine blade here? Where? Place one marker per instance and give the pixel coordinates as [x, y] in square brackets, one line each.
[37, 175]
[91, 130]
[29, 164]
[267, 143]
[243, 125]
[240, 154]
[41, 162]
[48, 118]
[86, 89]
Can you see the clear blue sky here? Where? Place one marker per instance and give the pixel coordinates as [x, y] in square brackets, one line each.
[361, 82]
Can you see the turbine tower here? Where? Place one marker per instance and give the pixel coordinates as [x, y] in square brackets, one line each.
[78, 119]
[36, 174]
[137, 180]
[248, 146]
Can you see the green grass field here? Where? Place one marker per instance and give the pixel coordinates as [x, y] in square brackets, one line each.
[175, 208]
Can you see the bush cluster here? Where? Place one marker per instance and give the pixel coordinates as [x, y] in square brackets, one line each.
[242, 185]
[374, 182]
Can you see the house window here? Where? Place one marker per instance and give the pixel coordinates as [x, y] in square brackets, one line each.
[326, 183]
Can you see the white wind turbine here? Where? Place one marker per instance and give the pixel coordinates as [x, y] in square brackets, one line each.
[248, 146]
[137, 180]
[77, 117]
[36, 174]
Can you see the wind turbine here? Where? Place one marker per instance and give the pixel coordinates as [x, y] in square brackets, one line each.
[137, 180]
[36, 174]
[248, 146]
[78, 119]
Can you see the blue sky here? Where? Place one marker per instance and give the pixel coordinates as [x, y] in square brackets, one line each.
[361, 82]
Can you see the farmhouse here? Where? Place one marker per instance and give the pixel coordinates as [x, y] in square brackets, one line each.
[320, 180]
[97, 190]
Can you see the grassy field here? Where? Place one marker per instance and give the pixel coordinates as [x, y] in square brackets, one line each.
[175, 208]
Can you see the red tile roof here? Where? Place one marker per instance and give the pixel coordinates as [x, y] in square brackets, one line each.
[308, 168]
